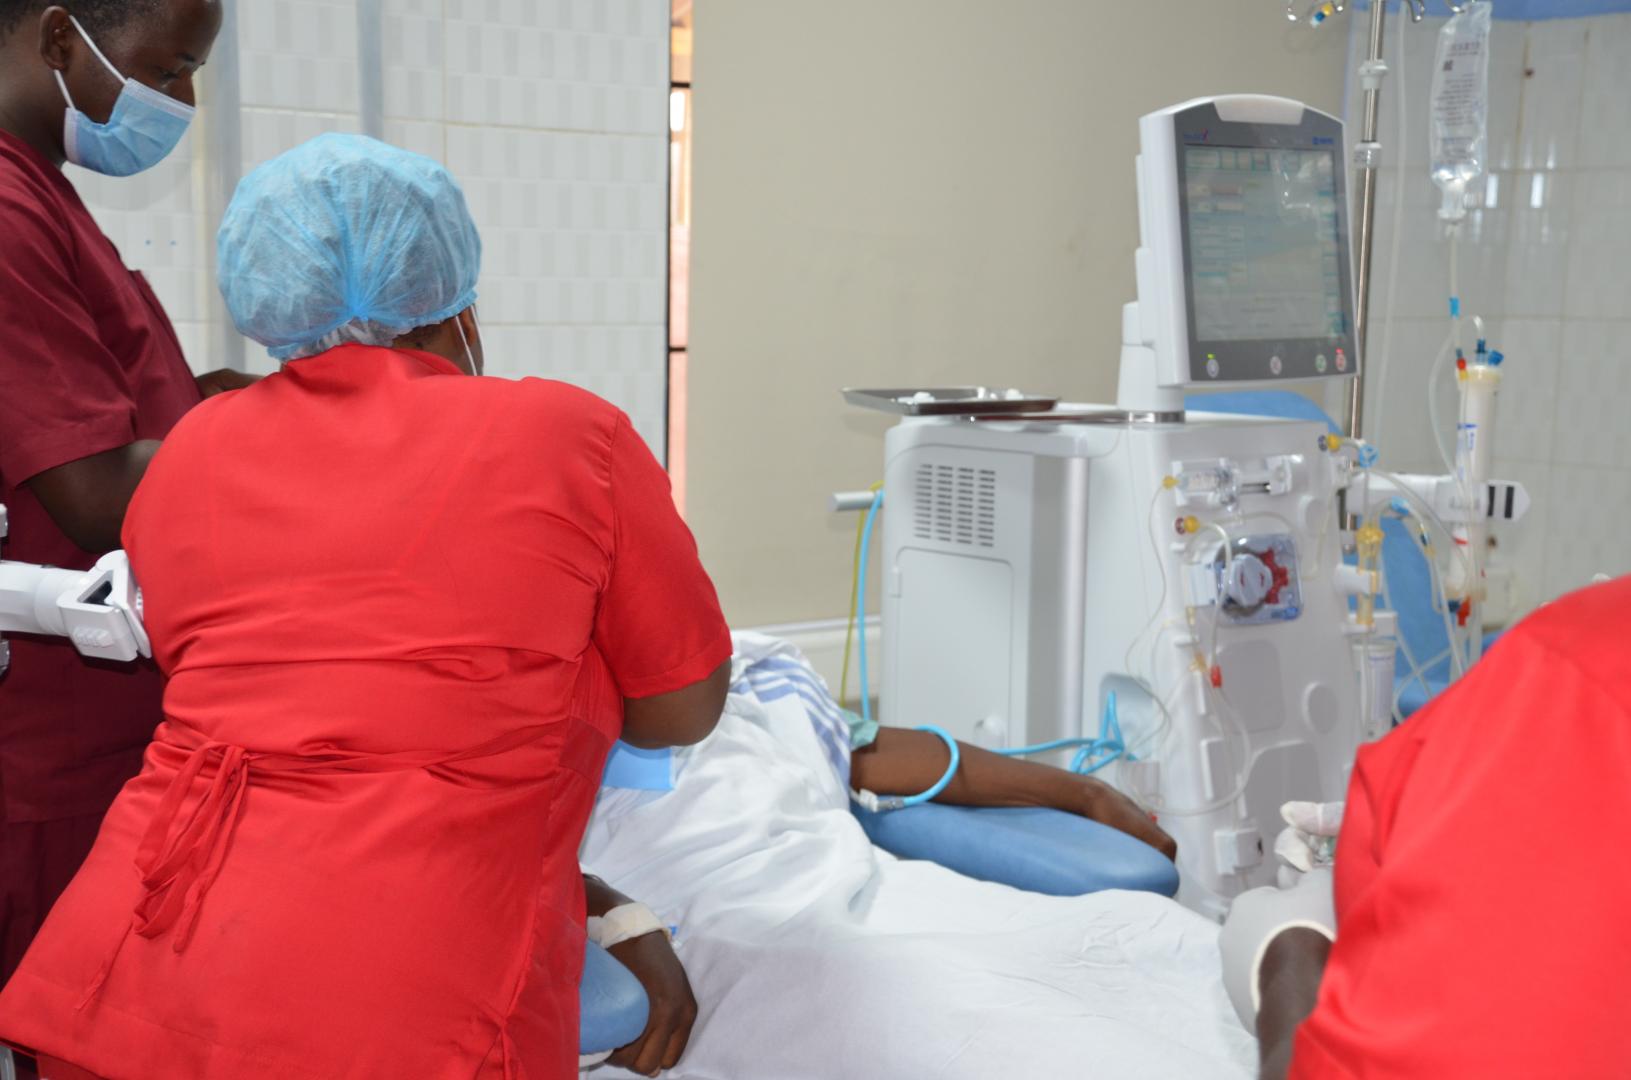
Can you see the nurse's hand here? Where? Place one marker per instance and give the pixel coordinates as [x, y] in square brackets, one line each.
[219, 382]
[1256, 919]
[673, 1009]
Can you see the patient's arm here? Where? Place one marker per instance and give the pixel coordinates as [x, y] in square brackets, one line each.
[1290, 984]
[904, 762]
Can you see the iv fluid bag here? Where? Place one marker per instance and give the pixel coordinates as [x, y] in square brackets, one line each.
[1460, 104]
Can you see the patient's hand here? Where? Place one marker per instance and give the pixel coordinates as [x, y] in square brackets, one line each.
[673, 1010]
[1098, 801]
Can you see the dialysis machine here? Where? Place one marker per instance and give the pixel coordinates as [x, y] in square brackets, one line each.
[1048, 573]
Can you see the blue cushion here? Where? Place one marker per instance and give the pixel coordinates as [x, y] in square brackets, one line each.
[612, 1004]
[1030, 848]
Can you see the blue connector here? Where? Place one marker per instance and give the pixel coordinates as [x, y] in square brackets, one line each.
[1482, 347]
[1368, 456]
[1399, 506]
[1455, 307]
[1495, 358]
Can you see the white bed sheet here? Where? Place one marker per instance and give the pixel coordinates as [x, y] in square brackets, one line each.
[815, 956]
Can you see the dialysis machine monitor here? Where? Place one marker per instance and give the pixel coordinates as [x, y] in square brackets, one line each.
[1243, 266]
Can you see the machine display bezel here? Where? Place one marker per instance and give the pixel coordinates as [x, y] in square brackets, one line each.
[1253, 360]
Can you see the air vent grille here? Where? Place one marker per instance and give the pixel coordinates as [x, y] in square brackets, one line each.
[955, 504]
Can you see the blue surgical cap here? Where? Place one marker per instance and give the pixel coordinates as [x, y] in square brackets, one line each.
[345, 238]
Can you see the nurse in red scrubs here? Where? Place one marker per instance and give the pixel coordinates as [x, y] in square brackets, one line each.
[1481, 887]
[91, 376]
[404, 612]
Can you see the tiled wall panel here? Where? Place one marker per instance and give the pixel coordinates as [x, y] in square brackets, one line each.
[1545, 258]
[553, 115]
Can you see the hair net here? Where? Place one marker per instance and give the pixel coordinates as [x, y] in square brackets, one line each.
[345, 238]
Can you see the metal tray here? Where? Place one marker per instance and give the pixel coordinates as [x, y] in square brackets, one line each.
[949, 400]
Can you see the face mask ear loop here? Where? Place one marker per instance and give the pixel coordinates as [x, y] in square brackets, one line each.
[117, 74]
[458, 324]
[64, 88]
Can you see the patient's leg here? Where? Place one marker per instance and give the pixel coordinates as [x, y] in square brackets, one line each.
[904, 762]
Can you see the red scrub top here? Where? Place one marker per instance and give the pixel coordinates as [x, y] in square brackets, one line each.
[399, 609]
[1483, 893]
[89, 363]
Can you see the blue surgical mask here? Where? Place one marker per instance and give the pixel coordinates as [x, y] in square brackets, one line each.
[144, 127]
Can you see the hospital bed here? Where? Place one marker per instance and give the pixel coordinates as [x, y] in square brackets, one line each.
[1029, 848]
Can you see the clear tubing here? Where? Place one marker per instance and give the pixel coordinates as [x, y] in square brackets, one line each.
[1455, 282]
[1425, 514]
[1417, 673]
[1160, 605]
[1240, 774]
[1433, 380]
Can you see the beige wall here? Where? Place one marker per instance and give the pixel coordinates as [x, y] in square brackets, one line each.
[913, 192]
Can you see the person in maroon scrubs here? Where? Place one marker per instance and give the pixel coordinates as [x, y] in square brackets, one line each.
[91, 377]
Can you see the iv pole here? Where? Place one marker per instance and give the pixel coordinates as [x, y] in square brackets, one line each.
[1367, 156]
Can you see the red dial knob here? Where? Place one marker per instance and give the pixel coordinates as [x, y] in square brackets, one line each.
[1281, 575]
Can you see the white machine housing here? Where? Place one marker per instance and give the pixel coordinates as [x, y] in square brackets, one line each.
[1033, 567]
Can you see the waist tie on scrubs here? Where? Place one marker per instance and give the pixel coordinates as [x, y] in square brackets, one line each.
[180, 857]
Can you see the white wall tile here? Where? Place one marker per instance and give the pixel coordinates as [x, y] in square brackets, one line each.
[299, 54]
[1605, 123]
[1539, 208]
[1600, 247]
[1551, 82]
[1422, 288]
[1594, 387]
[1526, 402]
[1398, 426]
[1590, 512]
[551, 113]
[1544, 260]
[1507, 94]
[266, 133]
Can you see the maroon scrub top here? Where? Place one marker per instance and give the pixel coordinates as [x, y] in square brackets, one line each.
[89, 363]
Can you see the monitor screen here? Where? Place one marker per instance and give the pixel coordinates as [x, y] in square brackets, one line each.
[1265, 254]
